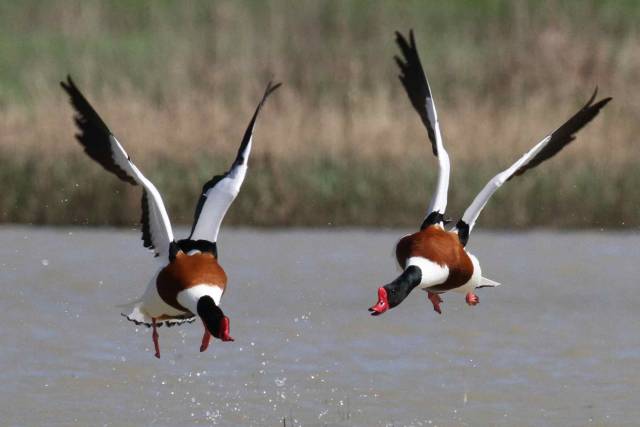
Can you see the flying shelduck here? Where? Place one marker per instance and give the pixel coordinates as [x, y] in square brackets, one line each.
[189, 281]
[434, 259]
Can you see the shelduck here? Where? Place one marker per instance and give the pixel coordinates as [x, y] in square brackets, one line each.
[434, 259]
[189, 280]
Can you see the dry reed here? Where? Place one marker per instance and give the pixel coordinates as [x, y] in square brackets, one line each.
[339, 143]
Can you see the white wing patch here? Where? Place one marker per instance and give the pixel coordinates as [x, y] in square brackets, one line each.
[157, 223]
[218, 200]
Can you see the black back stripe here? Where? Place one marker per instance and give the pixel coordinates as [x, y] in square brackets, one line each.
[415, 82]
[562, 136]
[463, 232]
[432, 219]
[94, 135]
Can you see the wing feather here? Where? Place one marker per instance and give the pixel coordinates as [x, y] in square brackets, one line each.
[415, 83]
[102, 146]
[219, 193]
[545, 149]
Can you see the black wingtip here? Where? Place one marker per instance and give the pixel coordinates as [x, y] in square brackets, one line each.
[414, 81]
[240, 157]
[598, 105]
[271, 87]
[402, 43]
[603, 102]
[274, 86]
[68, 85]
[93, 133]
[565, 134]
[399, 34]
[590, 101]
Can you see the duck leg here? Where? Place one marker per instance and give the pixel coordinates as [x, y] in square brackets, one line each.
[472, 299]
[206, 338]
[435, 300]
[224, 330]
[155, 337]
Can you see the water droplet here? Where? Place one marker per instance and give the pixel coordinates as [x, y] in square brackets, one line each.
[45, 262]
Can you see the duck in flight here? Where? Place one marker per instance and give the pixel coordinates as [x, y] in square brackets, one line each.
[434, 259]
[189, 280]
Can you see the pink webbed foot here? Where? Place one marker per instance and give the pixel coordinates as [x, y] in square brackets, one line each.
[435, 300]
[206, 339]
[154, 335]
[472, 299]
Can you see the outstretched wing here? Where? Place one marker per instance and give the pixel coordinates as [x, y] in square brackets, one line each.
[221, 190]
[415, 82]
[542, 151]
[103, 147]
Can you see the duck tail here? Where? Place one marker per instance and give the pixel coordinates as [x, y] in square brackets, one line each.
[487, 283]
[131, 311]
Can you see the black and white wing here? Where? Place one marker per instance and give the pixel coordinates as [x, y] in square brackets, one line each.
[415, 82]
[103, 147]
[221, 190]
[544, 150]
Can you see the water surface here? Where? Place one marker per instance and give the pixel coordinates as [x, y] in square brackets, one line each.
[557, 344]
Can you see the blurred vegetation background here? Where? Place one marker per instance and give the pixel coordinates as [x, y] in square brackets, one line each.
[339, 144]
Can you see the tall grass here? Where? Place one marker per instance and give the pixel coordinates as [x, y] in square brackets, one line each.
[339, 143]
